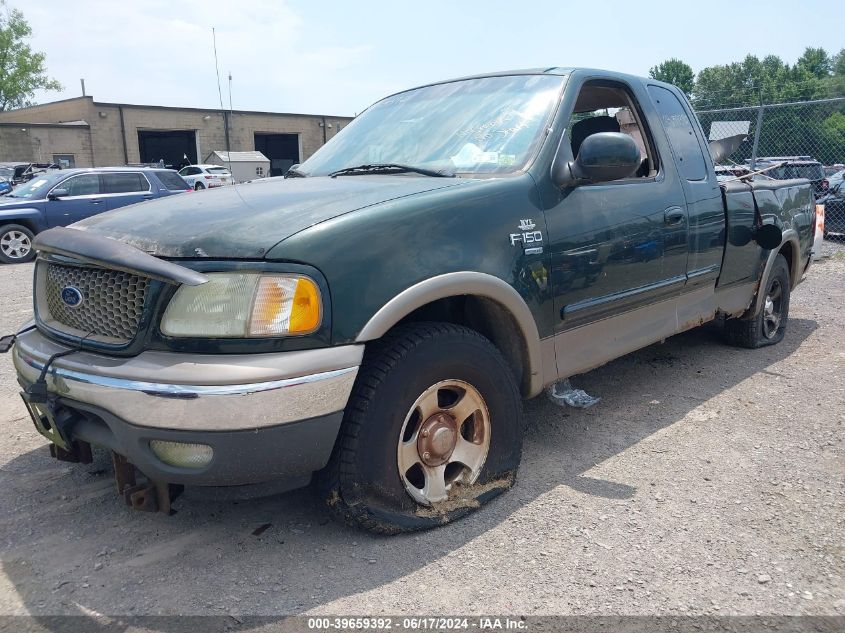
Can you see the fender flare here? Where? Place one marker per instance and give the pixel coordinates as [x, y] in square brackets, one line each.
[790, 236]
[13, 216]
[457, 284]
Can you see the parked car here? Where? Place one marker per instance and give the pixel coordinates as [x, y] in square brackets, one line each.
[62, 197]
[834, 210]
[24, 172]
[836, 178]
[6, 175]
[796, 167]
[206, 176]
[378, 316]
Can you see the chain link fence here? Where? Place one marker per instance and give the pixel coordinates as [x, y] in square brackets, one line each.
[810, 135]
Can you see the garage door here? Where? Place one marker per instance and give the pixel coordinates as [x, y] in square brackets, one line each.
[176, 148]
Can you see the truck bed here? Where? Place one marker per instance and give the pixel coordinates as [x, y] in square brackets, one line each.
[787, 203]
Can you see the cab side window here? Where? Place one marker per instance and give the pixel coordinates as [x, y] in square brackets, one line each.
[608, 106]
[681, 133]
[82, 185]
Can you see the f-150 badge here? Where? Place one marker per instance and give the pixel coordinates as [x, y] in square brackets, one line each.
[528, 235]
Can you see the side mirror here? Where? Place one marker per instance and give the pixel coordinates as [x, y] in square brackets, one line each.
[56, 194]
[602, 157]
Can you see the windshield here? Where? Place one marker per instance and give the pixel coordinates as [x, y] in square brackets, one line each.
[35, 188]
[492, 125]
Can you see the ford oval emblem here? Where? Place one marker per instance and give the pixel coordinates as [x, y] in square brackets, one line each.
[71, 297]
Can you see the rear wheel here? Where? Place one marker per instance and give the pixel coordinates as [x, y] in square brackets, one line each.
[769, 326]
[16, 244]
[433, 429]
[199, 186]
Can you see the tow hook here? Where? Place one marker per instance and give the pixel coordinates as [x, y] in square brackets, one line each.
[7, 342]
[148, 496]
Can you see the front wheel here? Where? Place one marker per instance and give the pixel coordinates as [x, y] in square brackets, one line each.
[433, 429]
[16, 244]
[769, 326]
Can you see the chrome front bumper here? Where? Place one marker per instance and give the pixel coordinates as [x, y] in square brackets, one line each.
[197, 392]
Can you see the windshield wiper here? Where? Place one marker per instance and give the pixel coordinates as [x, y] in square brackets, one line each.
[390, 168]
[294, 173]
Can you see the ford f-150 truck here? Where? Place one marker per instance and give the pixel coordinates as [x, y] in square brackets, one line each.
[373, 320]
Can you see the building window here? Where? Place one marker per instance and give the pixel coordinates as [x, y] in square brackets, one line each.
[65, 161]
[259, 171]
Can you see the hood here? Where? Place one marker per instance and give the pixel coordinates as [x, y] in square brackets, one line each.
[248, 220]
[18, 203]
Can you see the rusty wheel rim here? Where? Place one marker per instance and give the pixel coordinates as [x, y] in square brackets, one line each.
[444, 441]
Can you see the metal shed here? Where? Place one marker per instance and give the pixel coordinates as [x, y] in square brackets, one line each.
[243, 165]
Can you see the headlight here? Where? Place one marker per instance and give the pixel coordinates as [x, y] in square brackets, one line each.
[245, 304]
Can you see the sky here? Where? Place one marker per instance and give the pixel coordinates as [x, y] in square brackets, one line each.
[338, 57]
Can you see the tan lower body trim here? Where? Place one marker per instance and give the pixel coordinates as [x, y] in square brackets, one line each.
[589, 346]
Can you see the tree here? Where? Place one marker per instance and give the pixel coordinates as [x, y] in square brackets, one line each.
[745, 83]
[22, 70]
[676, 72]
[839, 63]
[816, 62]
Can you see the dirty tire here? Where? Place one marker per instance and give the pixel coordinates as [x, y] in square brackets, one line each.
[16, 244]
[362, 483]
[752, 332]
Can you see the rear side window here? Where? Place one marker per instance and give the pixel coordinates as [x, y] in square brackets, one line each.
[125, 183]
[172, 181]
[83, 185]
[217, 170]
[810, 172]
[681, 133]
[787, 172]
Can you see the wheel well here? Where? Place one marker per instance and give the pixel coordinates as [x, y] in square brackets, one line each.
[22, 222]
[488, 318]
[788, 251]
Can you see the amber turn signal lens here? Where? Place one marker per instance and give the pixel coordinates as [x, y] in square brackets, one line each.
[285, 305]
[305, 313]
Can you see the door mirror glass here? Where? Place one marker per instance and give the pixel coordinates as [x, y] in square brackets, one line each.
[57, 193]
[606, 156]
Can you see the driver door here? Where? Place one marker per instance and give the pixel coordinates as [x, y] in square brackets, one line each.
[610, 241]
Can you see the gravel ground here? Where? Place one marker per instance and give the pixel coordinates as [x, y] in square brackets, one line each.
[709, 480]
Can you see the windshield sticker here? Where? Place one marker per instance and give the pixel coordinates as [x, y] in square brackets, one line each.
[507, 160]
[472, 155]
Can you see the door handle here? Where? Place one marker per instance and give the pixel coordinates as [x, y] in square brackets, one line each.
[674, 216]
[96, 201]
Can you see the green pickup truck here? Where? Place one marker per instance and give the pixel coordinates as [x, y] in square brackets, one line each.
[372, 321]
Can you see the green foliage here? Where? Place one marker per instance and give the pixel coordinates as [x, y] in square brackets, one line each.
[676, 72]
[769, 80]
[816, 129]
[22, 70]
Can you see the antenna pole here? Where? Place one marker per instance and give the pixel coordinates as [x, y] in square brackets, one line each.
[220, 96]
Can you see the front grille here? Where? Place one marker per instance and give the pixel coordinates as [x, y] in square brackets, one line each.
[111, 306]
